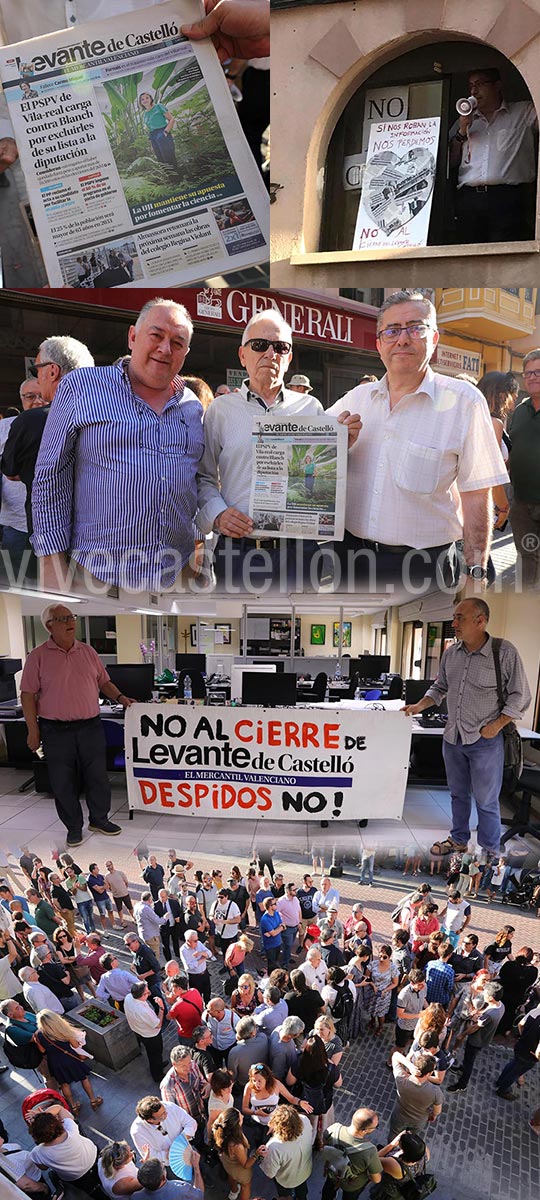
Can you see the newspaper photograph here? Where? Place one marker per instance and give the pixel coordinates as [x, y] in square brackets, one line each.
[397, 185]
[136, 164]
[298, 478]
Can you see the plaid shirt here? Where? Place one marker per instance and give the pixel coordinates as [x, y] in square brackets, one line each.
[186, 1094]
[469, 683]
[440, 982]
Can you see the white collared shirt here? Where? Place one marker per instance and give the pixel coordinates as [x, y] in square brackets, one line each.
[411, 462]
[501, 150]
[225, 469]
[141, 1017]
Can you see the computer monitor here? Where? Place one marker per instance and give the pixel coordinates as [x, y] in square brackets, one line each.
[369, 666]
[191, 662]
[238, 672]
[133, 679]
[269, 690]
[415, 690]
[278, 663]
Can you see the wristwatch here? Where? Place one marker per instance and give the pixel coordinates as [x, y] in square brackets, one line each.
[476, 572]
[460, 137]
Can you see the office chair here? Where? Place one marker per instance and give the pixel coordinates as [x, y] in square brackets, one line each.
[373, 694]
[115, 756]
[395, 688]
[318, 691]
[529, 785]
[198, 686]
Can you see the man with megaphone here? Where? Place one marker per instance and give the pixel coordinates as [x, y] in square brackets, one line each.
[493, 149]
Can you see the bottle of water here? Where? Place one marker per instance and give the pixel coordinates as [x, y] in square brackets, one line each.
[358, 694]
[188, 694]
[337, 672]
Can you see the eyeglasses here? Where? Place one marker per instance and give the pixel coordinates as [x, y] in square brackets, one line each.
[64, 620]
[37, 367]
[531, 374]
[32, 396]
[260, 345]
[416, 331]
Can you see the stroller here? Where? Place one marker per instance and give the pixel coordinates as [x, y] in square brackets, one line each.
[522, 889]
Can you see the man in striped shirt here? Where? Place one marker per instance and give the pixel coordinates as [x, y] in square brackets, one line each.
[473, 745]
[226, 467]
[115, 485]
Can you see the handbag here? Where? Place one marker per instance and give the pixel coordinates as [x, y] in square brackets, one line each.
[513, 749]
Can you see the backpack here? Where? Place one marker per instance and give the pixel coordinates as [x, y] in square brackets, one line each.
[411, 1187]
[343, 1004]
[513, 748]
[26, 1058]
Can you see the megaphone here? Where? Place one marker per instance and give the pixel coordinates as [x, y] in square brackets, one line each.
[466, 106]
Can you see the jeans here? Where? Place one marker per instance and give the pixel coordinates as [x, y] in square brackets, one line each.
[525, 522]
[69, 1002]
[87, 915]
[468, 1062]
[368, 861]
[288, 936]
[513, 1070]
[272, 956]
[476, 770]
[299, 1192]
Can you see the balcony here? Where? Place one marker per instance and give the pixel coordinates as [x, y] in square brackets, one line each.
[497, 314]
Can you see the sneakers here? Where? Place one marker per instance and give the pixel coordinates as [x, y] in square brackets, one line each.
[457, 1087]
[74, 838]
[107, 828]
[506, 1095]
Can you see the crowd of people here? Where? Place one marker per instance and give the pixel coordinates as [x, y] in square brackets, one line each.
[266, 994]
[433, 505]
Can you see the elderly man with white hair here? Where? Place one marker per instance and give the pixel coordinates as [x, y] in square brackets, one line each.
[225, 469]
[60, 687]
[194, 957]
[314, 969]
[115, 482]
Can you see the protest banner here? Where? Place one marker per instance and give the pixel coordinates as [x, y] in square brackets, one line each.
[136, 165]
[397, 185]
[299, 477]
[275, 764]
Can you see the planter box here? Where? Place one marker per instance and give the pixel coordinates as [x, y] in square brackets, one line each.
[114, 1044]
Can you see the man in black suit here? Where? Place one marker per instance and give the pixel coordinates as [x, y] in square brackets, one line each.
[167, 905]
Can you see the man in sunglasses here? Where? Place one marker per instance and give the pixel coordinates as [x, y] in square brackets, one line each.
[225, 469]
[60, 687]
[56, 357]
[421, 474]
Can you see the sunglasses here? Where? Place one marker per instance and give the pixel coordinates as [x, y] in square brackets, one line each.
[258, 1067]
[37, 367]
[260, 345]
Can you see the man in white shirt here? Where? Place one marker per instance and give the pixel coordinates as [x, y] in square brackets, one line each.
[324, 897]
[222, 1024]
[314, 969]
[495, 152]
[146, 1019]
[194, 957]
[421, 473]
[225, 469]
[36, 994]
[157, 1124]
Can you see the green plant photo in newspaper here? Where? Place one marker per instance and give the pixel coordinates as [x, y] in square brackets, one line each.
[312, 475]
[165, 138]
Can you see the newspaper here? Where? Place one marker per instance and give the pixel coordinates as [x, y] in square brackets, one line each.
[397, 185]
[299, 478]
[136, 165]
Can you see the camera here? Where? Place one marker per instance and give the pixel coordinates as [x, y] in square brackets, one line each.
[466, 106]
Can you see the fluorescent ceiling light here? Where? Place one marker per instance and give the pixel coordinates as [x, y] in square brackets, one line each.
[30, 594]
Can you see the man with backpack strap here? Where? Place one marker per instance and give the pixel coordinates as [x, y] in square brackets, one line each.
[356, 1162]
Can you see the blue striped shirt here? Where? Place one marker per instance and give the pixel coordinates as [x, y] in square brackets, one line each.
[115, 482]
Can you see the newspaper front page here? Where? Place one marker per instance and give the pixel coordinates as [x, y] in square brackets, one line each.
[136, 165]
[299, 478]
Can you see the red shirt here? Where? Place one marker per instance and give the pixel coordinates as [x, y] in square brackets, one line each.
[66, 682]
[187, 1012]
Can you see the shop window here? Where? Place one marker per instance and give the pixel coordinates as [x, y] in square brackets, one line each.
[425, 82]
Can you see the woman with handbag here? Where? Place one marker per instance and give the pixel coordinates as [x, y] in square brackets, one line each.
[67, 949]
[403, 1161]
[66, 1059]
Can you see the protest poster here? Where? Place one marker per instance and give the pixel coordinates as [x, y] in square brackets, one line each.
[397, 186]
[136, 165]
[299, 477]
[276, 764]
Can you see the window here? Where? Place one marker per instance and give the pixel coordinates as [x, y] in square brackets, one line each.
[425, 82]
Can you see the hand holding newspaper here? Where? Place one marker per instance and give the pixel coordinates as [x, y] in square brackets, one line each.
[299, 477]
[136, 164]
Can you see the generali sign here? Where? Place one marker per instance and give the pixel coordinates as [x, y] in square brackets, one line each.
[232, 308]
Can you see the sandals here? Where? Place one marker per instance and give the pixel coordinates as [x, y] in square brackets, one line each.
[97, 1102]
[447, 846]
[76, 1108]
